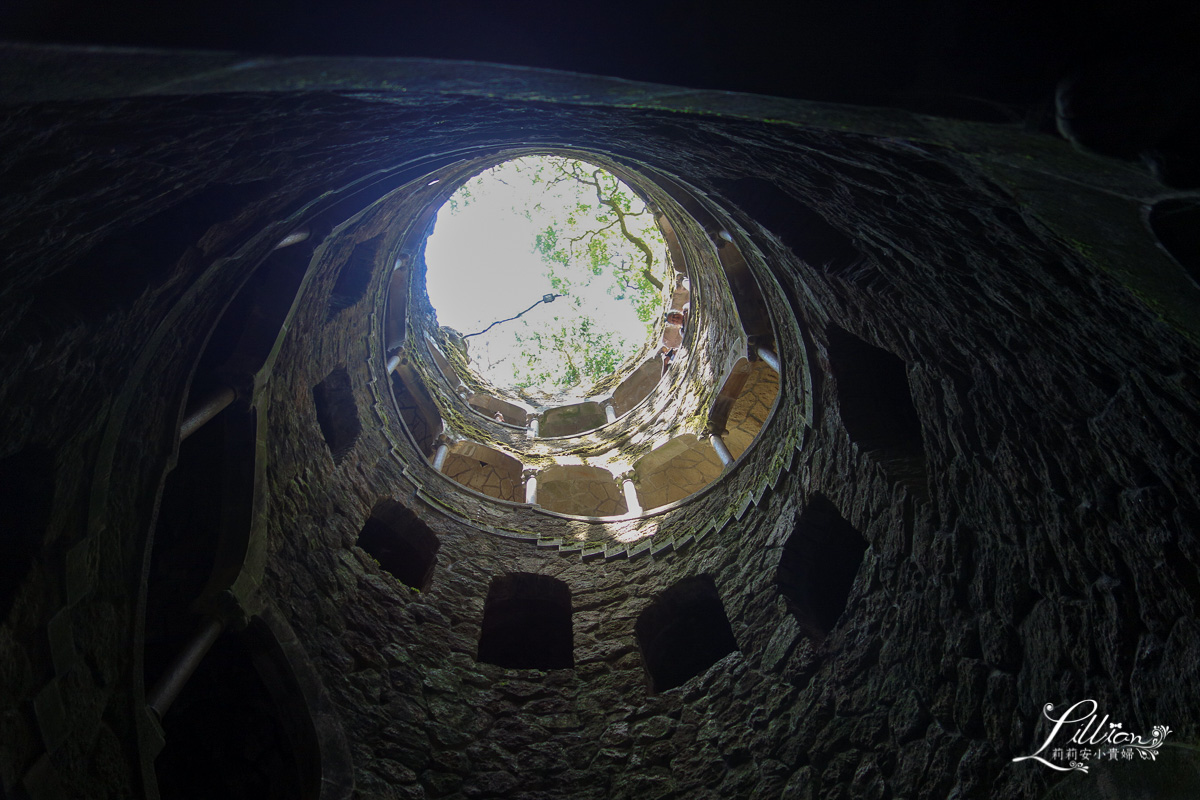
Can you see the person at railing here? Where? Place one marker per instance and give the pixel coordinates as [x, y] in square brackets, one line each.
[672, 336]
[682, 293]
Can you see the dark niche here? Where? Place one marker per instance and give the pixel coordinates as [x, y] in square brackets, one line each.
[25, 506]
[241, 727]
[416, 407]
[684, 632]
[337, 413]
[355, 277]
[402, 544]
[249, 327]
[202, 530]
[1176, 224]
[817, 569]
[572, 419]
[801, 228]
[876, 406]
[120, 268]
[527, 623]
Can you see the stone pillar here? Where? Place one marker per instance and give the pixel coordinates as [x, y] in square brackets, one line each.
[208, 408]
[295, 237]
[721, 236]
[723, 453]
[610, 412]
[769, 357]
[534, 425]
[630, 490]
[443, 450]
[392, 363]
[183, 667]
[530, 478]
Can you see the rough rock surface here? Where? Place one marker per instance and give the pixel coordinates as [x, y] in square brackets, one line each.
[1045, 552]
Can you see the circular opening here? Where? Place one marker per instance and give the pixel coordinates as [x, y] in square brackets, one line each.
[1176, 223]
[663, 427]
[553, 272]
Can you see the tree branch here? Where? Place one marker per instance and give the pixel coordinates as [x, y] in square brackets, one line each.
[574, 239]
[636, 241]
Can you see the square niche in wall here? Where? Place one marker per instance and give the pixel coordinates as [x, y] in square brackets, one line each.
[817, 569]
[684, 632]
[527, 623]
[403, 545]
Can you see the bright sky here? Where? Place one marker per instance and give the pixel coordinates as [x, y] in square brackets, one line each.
[482, 267]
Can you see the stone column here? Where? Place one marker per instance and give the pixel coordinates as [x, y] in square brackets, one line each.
[443, 450]
[534, 425]
[530, 478]
[610, 412]
[769, 357]
[183, 667]
[295, 237]
[208, 407]
[392, 363]
[723, 453]
[630, 489]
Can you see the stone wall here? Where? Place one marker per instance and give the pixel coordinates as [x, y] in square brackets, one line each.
[1047, 553]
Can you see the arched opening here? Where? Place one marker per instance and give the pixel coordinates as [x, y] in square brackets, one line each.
[876, 406]
[354, 277]
[240, 728]
[118, 269]
[816, 571]
[805, 232]
[25, 506]
[499, 410]
[443, 366]
[684, 632]
[580, 490]
[572, 419]
[486, 470]
[416, 407]
[752, 408]
[1176, 223]
[202, 531]
[243, 339]
[752, 310]
[402, 544]
[395, 324]
[527, 623]
[337, 413]
[730, 390]
[677, 469]
[637, 387]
